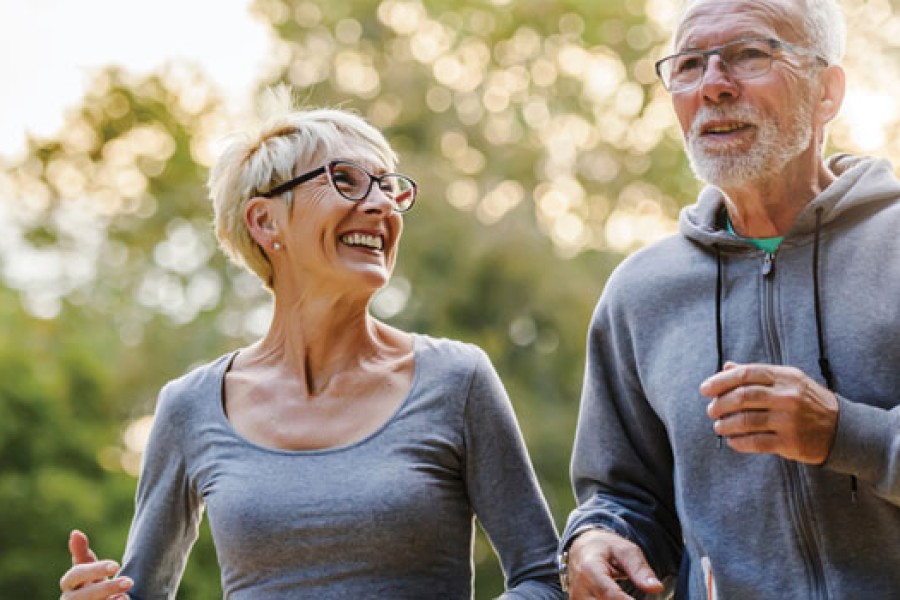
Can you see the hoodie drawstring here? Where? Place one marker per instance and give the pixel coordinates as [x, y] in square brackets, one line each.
[720, 354]
[824, 365]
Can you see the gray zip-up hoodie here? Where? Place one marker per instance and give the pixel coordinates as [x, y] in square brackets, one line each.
[646, 461]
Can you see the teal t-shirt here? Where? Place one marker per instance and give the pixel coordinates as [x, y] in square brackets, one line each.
[769, 244]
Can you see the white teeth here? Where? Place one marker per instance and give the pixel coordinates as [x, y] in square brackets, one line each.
[362, 239]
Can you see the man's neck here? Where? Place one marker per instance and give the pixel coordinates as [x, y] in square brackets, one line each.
[768, 208]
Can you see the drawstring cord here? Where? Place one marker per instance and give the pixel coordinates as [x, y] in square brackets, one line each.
[824, 365]
[720, 354]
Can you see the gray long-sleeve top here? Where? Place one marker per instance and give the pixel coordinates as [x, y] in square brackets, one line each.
[389, 516]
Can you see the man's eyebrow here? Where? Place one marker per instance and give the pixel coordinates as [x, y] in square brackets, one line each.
[741, 38]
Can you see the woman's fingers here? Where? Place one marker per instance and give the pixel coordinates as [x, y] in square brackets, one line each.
[80, 548]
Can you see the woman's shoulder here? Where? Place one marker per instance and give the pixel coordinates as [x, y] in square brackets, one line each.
[450, 364]
[199, 382]
[448, 351]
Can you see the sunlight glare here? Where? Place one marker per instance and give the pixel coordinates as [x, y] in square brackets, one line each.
[868, 116]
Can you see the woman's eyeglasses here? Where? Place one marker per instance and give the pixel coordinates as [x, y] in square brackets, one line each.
[354, 183]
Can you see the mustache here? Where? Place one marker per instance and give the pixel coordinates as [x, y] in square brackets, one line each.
[743, 113]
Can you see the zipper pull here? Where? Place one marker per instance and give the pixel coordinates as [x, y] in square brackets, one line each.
[768, 263]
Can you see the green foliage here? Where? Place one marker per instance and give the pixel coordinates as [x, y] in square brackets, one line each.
[56, 412]
[120, 182]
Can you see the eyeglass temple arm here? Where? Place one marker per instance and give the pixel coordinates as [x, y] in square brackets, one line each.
[280, 189]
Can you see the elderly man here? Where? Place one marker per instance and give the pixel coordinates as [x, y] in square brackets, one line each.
[739, 431]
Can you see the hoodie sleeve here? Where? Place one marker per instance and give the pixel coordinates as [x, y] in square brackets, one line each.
[622, 462]
[867, 445]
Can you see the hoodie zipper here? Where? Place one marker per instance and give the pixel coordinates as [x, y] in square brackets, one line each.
[799, 504]
[772, 341]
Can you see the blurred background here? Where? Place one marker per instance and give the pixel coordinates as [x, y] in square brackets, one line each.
[544, 148]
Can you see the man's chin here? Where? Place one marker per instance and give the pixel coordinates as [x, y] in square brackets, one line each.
[721, 171]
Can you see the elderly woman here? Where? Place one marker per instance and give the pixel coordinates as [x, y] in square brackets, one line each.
[337, 457]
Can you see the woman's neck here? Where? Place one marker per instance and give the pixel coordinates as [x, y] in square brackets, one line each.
[316, 338]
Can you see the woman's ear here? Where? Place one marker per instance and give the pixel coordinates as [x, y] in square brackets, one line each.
[831, 97]
[262, 222]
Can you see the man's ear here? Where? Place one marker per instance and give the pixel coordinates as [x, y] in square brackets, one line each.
[262, 222]
[831, 95]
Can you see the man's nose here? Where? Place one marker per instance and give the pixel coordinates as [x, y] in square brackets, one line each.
[716, 84]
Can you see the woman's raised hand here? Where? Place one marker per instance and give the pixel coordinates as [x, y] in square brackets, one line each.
[90, 578]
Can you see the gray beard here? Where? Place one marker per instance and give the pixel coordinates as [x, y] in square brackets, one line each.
[771, 151]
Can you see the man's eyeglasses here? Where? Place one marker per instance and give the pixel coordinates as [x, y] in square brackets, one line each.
[354, 183]
[741, 59]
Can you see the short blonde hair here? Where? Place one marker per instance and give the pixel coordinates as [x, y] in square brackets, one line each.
[259, 158]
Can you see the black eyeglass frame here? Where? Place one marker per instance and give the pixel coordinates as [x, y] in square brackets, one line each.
[328, 169]
[774, 44]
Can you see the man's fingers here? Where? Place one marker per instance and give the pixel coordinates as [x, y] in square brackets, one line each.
[757, 443]
[598, 557]
[595, 581]
[600, 587]
[772, 409]
[748, 422]
[750, 397]
[630, 560]
[736, 375]
[80, 548]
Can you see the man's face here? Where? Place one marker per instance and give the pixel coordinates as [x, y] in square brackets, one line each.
[740, 131]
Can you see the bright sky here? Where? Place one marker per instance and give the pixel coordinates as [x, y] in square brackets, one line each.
[49, 48]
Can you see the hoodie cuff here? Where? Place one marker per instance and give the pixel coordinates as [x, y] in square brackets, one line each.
[861, 441]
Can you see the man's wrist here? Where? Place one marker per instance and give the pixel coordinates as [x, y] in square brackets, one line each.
[563, 558]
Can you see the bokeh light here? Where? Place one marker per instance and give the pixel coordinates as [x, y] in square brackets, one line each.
[576, 98]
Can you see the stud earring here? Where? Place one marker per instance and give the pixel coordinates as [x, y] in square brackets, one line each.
[276, 246]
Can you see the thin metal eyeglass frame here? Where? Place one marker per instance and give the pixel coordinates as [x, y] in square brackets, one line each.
[327, 170]
[774, 44]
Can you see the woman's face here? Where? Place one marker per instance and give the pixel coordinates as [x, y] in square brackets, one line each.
[331, 243]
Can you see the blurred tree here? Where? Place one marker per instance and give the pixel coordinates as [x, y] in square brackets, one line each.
[554, 105]
[545, 151]
[108, 246]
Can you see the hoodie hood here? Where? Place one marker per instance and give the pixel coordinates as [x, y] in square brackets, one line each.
[861, 181]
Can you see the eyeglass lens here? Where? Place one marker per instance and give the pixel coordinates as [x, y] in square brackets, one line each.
[354, 183]
[742, 59]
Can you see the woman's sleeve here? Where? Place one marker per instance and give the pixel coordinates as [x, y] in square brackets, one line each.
[167, 508]
[504, 490]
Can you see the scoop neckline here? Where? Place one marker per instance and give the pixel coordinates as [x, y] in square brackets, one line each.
[223, 417]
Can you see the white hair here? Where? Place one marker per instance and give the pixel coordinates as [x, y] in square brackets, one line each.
[823, 25]
[826, 29]
[267, 154]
